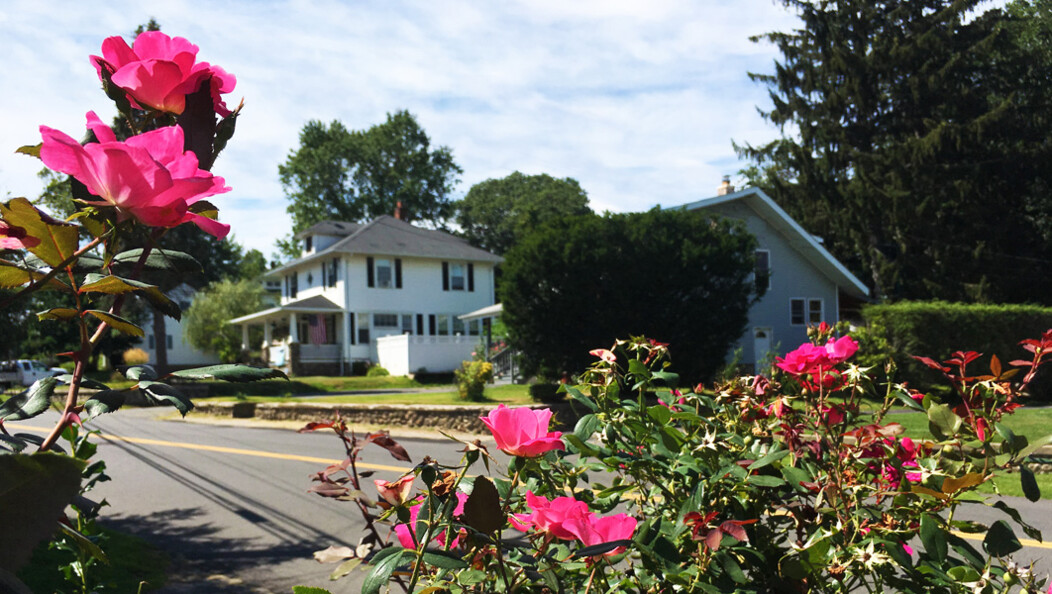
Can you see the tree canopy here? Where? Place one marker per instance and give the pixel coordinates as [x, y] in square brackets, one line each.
[916, 142]
[206, 321]
[496, 213]
[359, 175]
[579, 283]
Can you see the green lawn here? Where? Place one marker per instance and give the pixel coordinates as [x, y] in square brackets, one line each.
[506, 394]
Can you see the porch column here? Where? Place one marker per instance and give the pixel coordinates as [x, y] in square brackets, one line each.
[244, 337]
[294, 331]
[267, 334]
[345, 331]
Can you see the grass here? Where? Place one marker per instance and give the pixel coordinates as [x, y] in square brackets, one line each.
[132, 559]
[507, 394]
[295, 386]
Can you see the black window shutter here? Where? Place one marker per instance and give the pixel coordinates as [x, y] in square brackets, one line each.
[471, 276]
[369, 272]
[445, 277]
[431, 322]
[420, 324]
[398, 273]
[354, 337]
[324, 276]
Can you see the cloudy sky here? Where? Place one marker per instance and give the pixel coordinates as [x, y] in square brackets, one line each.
[638, 101]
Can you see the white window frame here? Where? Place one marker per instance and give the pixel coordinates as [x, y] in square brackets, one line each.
[454, 267]
[380, 263]
[803, 311]
[811, 311]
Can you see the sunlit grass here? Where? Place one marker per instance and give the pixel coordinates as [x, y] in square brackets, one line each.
[507, 394]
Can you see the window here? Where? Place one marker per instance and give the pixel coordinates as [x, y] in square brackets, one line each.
[814, 311]
[796, 312]
[407, 323]
[151, 342]
[292, 285]
[458, 326]
[308, 243]
[763, 270]
[384, 274]
[168, 340]
[363, 328]
[443, 325]
[333, 267]
[385, 320]
[473, 327]
[456, 277]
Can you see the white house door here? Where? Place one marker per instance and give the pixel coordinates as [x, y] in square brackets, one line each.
[762, 343]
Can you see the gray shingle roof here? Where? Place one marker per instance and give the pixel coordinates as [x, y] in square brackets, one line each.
[335, 228]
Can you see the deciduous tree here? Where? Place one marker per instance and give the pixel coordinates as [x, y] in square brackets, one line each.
[206, 326]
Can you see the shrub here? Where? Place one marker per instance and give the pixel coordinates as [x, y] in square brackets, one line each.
[359, 367]
[377, 371]
[135, 356]
[545, 392]
[936, 329]
[471, 379]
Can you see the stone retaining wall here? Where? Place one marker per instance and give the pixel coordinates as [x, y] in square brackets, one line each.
[461, 418]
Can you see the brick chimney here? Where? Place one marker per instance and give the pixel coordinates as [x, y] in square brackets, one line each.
[399, 212]
[725, 187]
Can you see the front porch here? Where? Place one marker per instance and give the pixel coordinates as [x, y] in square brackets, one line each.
[300, 338]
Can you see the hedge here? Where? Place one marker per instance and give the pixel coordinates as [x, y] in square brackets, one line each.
[936, 329]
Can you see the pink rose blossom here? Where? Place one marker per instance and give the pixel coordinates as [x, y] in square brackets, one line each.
[551, 517]
[596, 530]
[15, 238]
[159, 71]
[604, 354]
[522, 431]
[406, 532]
[149, 177]
[397, 492]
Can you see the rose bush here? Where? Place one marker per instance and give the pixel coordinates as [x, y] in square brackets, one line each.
[757, 484]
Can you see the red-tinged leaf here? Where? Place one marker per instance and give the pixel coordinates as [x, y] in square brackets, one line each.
[995, 366]
[329, 490]
[316, 426]
[931, 363]
[713, 539]
[383, 439]
[1021, 363]
[737, 532]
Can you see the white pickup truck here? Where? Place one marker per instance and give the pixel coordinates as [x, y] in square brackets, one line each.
[23, 372]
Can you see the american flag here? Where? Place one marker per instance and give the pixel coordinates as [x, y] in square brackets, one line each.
[317, 330]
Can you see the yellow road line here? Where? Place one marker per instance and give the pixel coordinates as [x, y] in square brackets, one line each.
[1026, 542]
[236, 451]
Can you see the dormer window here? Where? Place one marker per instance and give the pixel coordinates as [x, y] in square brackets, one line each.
[308, 243]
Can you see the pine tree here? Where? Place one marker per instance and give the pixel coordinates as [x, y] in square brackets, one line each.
[915, 141]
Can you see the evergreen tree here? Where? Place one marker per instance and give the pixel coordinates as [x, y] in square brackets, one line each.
[915, 141]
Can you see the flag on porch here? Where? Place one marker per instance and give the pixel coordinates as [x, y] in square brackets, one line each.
[317, 330]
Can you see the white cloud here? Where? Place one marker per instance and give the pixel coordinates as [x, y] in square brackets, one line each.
[638, 101]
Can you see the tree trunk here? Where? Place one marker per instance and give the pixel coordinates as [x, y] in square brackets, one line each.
[160, 341]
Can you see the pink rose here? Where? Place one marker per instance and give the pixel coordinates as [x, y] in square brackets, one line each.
[522, 431]
[159, 71]
[604, 354]
[397, 492]
[148, 177]
[553, 517]
[406, 532]
[15, 238]
[596, 530]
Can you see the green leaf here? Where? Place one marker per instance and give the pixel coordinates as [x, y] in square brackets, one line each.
[1030, 449]
[159, 259]
[85, 382]
[14, 275]
[942, 421]
[1001, 540]
[770, 458]
[58, 240]
[444, 560]
[82, 542]
[103, 403]
[165, 394]
[34, 489]
[118, 323]
[601, 548]
[381, 573]
[1029, 483]
[482, 510]
[909, 402]
[794, 476]
[963, 573]
[763, 480]
[141, 372]
[344, 568]
[58, 313]
[1030, 531]
[660, 414]
[230, 373]
[33, 150]
[586, 426]
[30, 403]
[580, 445]
[581, 398]
[115, 285]
[933, 537]
[312, 589]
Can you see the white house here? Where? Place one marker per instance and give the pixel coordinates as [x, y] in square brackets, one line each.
[180, 352]
[806, 284]
[384, 291]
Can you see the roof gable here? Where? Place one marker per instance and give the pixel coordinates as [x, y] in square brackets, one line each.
[761, 204]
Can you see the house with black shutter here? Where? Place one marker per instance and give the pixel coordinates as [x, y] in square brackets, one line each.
[384, 292]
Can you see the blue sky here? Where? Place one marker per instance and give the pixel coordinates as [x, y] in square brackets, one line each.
[638, 101]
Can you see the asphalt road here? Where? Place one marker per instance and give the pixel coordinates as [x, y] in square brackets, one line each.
[230, 504]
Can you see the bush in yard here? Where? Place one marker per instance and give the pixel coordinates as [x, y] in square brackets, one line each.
[545, 392]
[681, 277]
[762, 484]
[471, 379]
[135, 356]
[377, 371]
[937, 329]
